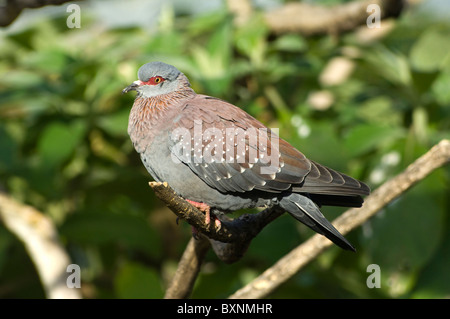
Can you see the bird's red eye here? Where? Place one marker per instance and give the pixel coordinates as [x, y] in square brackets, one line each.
[155, 80]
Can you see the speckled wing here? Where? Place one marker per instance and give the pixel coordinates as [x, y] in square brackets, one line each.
[233, 152]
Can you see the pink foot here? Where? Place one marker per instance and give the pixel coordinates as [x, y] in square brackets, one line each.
[206, 209]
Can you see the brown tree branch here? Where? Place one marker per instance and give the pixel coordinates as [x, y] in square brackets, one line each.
[241, 9]
[10, 9]
[230, 242]
[232, 239]
[290, 264]
[188, 269]
[309, 19]
[40, 238]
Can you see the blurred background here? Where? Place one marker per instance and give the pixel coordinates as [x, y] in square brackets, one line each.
[367, 102]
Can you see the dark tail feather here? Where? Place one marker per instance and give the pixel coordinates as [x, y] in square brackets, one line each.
[305, 210]
[336, 200]
[324, 180]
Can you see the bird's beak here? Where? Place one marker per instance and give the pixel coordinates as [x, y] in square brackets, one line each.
[132, 86]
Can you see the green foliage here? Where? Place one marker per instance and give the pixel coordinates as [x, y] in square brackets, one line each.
[65, 150]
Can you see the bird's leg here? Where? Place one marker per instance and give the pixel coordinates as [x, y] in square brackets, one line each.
[207, 210]
[204, 208]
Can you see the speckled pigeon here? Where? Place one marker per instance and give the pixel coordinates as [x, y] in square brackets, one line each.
[221, 159]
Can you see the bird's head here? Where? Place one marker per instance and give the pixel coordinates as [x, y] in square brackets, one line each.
[156, 78]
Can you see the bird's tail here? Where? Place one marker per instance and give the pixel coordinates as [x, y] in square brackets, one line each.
[306, 211]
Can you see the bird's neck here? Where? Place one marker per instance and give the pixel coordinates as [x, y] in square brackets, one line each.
[151, 109]
[148, 114]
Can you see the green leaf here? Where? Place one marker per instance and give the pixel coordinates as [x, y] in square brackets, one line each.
[115, 123]
[432, 51]
[379, 110]
[165, 43]
[393, 66]
[291, 43]
[207, 22]
[135, 281]
[213, 61]
[441, 88]
[251, 40]
[366, 137]
[22, 79]
[25, 38]
[59, 140]
[52, 60]
[219, 44]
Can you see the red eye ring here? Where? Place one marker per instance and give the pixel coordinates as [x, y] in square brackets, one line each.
[155, 80]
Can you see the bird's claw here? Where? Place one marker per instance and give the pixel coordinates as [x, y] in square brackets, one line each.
[217, 224]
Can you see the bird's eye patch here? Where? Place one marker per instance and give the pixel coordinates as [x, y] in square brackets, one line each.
[154, 80]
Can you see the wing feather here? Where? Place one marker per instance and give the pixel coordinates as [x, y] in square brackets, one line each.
[237, 153]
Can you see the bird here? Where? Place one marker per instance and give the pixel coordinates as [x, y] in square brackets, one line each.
[221, 159]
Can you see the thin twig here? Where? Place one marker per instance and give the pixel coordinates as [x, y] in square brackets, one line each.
[290, 264]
